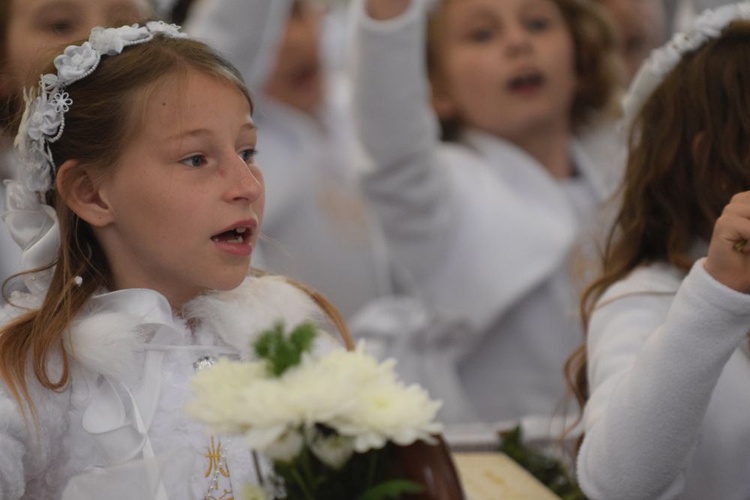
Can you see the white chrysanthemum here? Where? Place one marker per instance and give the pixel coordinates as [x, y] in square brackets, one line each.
[286, 447]
[317, 391]
[390, 411]
[331, 448]
[348, 391]
[253, 492]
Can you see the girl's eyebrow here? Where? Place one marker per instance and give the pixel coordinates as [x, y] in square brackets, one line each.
[201, 132]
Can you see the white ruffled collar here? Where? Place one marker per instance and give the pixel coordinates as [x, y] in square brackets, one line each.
[123, 336]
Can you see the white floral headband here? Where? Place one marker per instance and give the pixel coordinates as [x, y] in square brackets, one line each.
[33, 224]
[43, 120]
[708, 25]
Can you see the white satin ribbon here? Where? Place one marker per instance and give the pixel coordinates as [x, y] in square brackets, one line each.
[34, 227]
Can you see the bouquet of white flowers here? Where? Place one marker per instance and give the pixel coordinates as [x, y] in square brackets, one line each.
[326, 422]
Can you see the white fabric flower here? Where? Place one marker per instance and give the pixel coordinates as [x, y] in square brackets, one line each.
[44, 119]
[111, 41]
[171, 30]
[707, 25]
[76, 62]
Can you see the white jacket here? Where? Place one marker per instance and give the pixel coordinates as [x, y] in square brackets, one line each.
[485, 231]
[668, 371]
[132, 361]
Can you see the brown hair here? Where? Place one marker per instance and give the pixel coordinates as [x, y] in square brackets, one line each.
[8, 104]
[596, 63]
[97, 126]
[689, 153]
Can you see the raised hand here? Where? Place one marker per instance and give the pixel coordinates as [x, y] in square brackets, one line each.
[728, 258]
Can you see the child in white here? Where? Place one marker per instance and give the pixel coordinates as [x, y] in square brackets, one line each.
[30, 30]
[667, 348]
[487, 223]
[142, 140]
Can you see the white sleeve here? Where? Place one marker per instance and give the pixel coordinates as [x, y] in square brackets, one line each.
[653, 365]
[246, 32]
[410, 191]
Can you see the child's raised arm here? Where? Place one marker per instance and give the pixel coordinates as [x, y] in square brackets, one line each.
[652, 379]
[245, 31]
[450, 220]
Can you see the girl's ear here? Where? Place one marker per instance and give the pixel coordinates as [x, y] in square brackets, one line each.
[75, 184]
[442, 100]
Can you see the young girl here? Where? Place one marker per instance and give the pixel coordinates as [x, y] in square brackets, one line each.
[30, 32]
[667, 348]
[486, 224]
[141, 148]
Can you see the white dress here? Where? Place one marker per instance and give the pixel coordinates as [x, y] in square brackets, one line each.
[488, 236]
[668, 371]
[121, 417]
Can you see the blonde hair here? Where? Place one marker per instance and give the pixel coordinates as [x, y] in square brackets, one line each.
[596, 63]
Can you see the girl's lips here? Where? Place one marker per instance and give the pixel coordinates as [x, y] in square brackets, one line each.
[237, 239]
[526, 83]
[242, 249]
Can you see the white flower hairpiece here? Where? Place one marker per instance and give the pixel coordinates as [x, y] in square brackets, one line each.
[708, 25]
[31, 223]
[43, 121]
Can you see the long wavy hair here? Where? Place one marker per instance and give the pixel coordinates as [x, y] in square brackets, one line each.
[689, 153]
[597, 64]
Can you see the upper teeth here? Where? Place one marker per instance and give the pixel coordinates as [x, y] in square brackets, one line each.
[240, 230]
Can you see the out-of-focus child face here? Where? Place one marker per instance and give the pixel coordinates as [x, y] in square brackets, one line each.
[641, 27]
[185, 201]
[505, 67]
[296, 77]
[37, 29]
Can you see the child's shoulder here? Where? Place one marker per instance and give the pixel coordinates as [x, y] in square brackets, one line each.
[655, 278]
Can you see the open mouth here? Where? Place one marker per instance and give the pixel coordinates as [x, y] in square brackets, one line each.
[527, 82]
[237, 236]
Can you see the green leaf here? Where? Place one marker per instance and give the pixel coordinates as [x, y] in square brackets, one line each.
[391, 490]
[282, 351]
[549, 471]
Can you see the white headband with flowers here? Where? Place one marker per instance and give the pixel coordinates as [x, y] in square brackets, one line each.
[708, 25]
[31, 223]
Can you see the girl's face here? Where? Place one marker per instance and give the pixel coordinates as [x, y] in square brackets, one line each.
[295, 77]
[39, 28]
[505, 67]
[182, 209]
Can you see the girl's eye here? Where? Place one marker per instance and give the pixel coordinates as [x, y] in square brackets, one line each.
[537, 24]
[248, 155]
[481, 34]
[61, 26]
[194, 161]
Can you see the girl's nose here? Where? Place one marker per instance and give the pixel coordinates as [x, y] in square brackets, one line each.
[517, 39]
[246, 181]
